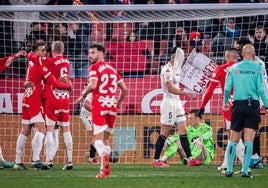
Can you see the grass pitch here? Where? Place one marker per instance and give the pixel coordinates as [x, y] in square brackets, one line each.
[131, 176]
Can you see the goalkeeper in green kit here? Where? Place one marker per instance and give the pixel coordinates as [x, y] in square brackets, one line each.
[200, 136]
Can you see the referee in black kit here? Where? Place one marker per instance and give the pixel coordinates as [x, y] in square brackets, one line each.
[246, 79]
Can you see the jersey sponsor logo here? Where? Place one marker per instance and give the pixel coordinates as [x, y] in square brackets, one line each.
[60, 93]
[107, 101]
[45, 69]
[61, 111]
[105, 112]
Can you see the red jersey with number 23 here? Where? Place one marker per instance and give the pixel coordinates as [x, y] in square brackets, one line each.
[104, 95]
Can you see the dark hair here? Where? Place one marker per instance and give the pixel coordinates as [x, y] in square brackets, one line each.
[196, 113]
[243, 42]
[173, 50]
[35, 23]
[136, 35]
[99, 47]
[36, 45]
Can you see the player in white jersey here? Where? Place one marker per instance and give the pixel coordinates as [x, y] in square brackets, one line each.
[86, 117]
[172, 110]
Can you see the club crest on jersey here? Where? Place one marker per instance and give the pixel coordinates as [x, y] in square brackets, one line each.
[236, 71]
[45, 69]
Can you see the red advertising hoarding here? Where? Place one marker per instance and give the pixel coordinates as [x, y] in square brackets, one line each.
[143, 97]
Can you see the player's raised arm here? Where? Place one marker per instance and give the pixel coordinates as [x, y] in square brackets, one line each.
[6, 61]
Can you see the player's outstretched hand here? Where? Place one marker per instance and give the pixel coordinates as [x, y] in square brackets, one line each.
[82, 97]
[226, 107]
[191, 95]
[21, 53]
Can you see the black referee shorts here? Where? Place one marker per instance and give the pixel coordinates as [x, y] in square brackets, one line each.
[245, 116]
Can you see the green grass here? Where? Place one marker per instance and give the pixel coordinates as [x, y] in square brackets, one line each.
[131, 176]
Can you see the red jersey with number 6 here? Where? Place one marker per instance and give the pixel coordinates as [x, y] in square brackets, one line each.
[57, 102]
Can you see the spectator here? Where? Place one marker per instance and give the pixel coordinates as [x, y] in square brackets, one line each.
[259, 41]
[59, 32]
[94, 2]
[6, 33]
[229, 32]
[210, 31]
[152, 31]
[22, 28]
[178, 36]
[197, 43]
[78, 43]
[60, 2]
[132, 37]
[203, 1]
[37, 33]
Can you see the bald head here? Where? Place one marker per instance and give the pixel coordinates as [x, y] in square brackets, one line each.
[248, 52]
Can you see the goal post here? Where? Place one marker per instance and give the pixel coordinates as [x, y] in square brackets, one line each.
[157, 29]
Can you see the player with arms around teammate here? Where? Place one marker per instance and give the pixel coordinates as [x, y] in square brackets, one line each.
[4, 63]
[171, 109]
[103, 83]
[57, 104]
[32, 106]
[231, 56]
[247, 81]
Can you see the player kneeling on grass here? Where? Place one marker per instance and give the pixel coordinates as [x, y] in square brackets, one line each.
[200, 138]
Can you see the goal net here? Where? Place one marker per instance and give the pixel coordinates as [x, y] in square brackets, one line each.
[138, 40]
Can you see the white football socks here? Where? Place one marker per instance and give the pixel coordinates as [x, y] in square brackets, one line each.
[20, 148]
[1, 155]
[37, 143]
[49, 141]
[68, 140]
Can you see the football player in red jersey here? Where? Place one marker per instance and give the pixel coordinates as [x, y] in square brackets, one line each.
[103, 83]
[32, 106]
[6, 61]
[218, 77]
[57, 109]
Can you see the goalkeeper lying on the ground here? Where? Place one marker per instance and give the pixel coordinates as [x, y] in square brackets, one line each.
[200, 139]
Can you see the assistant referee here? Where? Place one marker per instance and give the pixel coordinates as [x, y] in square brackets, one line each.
[246, 79]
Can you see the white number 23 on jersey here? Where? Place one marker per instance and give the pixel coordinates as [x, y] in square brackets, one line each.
[108, 83]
